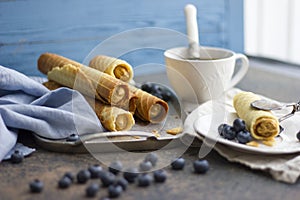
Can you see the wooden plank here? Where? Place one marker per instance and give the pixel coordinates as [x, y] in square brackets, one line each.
[74, 28]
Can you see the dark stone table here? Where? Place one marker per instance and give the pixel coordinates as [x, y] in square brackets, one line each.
[224, 180]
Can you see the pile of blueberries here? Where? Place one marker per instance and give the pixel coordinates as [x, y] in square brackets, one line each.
[116, 184]
[237, 131]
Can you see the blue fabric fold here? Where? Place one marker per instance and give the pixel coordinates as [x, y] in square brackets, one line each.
[27, 104]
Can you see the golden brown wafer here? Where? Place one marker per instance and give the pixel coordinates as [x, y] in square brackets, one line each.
[148, 107]
[263, 125]
[117, 68]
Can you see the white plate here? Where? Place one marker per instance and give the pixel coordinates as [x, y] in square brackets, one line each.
[207, 126]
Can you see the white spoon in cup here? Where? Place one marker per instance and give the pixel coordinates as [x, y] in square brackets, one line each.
[192, 31]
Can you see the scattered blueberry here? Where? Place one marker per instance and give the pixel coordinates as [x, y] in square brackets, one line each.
[152, 157]
[114, 191]
[298, 135]
[229, 132]
[83, 176]
[115, 167]
[64, 182]
[70, 175]
[239, 125]
[122, 182]
[95, 170]
[130, 174]
[72, 138]
[243, 137]
[144, 180]
[160, 176]
[36, 186]
[201, 166]
[145, 166]
[107, 179]
[17, 157]
[178, 164]
[92, 190]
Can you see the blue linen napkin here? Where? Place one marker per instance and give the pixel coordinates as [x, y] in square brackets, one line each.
[27, 104]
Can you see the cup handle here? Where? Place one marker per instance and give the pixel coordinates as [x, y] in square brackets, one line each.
[242, 71]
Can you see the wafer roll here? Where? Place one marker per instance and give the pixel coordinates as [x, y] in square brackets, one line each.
[47, 61]
[111, 118]
[263, 125]
[117, 68]
[148, 107]
[91, 83]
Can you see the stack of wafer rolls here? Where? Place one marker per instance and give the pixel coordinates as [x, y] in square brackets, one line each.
[112, 118]
[85, 79]
[263, 125]
[117, 68]
[144, 105]
[148, 107]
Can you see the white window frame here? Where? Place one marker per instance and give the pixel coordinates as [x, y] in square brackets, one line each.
[272, 29]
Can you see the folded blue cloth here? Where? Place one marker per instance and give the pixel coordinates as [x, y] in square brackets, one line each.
[27, 104]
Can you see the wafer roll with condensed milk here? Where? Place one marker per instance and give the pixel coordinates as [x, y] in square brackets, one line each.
[149, 107]
[117, 68]
[263, 125]
[92, 83]
[112, 118]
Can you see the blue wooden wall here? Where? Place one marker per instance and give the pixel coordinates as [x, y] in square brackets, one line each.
[73, 28]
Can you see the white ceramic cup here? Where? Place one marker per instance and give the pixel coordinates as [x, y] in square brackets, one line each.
[197, 81]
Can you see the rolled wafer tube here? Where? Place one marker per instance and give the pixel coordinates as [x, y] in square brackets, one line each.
[263, 125]
[117, 68]
[112, 118]
[92, 83]
[148, 107]
[47, 61]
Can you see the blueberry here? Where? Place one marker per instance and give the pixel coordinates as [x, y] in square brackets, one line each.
[152, 157]
[36, 186]
[178, 164]
[144, 180]
[160, 176]
[158, 95]
[221, 129]
[147, 87]
[243, 137]
[95, 170]
[298, 135]
[92, 190]
[229, 132]
[166, 95]
[64, 182]
[115, 167]
[130, 174]
[70, 175]
[17, 157]
[122, 182]
[239, 125]
[145, 166]
[201, 166]
[107, 179]
[114, 191]
[72, 138]
[83, 176]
